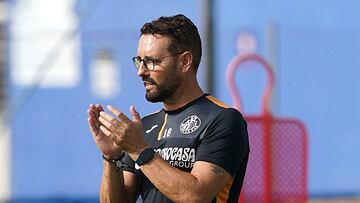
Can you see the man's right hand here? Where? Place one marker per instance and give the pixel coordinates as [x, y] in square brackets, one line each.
[104, 143]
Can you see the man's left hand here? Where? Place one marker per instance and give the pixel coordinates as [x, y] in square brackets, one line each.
[126, 133]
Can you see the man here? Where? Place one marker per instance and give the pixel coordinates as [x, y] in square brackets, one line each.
[195, 149]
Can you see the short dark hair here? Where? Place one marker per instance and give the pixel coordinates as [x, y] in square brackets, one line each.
[182, 32]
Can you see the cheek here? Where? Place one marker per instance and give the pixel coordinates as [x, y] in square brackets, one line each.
[156, 78]
[165, 76]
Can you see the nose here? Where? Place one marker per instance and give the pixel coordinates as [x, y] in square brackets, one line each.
[142, 71]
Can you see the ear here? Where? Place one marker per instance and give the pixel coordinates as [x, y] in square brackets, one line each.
[186, 61]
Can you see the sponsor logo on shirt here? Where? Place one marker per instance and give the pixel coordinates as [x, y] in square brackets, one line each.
[178, 156]
[190, 124]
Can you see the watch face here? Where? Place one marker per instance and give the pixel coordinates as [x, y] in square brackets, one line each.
[120, 164]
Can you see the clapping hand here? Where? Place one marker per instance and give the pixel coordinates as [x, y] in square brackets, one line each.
[103, 142]
[114, 133]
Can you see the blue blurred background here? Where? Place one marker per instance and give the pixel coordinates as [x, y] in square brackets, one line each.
[51, 51]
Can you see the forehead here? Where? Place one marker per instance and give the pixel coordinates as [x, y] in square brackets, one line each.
[150, 45]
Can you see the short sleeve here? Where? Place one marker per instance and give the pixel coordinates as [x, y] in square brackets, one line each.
[225, 142]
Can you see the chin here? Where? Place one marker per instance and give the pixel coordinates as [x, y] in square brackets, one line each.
[153, 97]
[160, 94]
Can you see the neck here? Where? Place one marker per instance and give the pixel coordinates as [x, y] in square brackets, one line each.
[182, 96]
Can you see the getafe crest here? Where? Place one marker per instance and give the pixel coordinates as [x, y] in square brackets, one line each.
[190, 124]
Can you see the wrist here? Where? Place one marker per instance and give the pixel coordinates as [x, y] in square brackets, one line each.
[144, 157]
[135, 154]
[111, 160]
[116, 162]
[114, 156]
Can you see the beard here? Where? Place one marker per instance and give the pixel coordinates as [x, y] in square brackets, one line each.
[164, 90]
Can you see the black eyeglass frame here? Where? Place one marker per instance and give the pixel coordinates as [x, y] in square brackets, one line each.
[148, 60]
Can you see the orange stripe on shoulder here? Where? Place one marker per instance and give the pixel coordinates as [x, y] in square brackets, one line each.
[217, 101]
[223, 195]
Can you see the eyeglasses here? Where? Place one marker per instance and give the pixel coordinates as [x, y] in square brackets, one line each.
[150, 62]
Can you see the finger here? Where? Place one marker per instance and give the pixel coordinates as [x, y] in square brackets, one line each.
[92, 127]
[118, 113]
[91, 114]
[93, 121]
[135, 115]
[99, 107]
[109, 118]
[92, 107]
[105, 131]
[109, 134]
[107, 124]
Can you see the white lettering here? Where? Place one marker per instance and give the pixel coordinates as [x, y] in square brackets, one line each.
[186, 154]
[167, 133]
[192, 155]
[178, 156]
[168, 153]
[173, 154]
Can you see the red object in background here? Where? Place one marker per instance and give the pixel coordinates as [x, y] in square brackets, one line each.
[277, 167]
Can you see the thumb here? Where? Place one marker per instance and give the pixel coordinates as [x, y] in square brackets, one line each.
[135, 114]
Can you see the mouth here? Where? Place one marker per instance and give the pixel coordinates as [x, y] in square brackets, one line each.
[148, 85]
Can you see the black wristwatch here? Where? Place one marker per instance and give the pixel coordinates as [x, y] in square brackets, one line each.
[145, 156]
[118, 162]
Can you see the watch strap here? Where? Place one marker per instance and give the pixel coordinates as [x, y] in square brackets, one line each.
[118, 162]
[113, 160]
[145, 156]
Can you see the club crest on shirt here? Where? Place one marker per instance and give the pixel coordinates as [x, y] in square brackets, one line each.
[190, 124]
